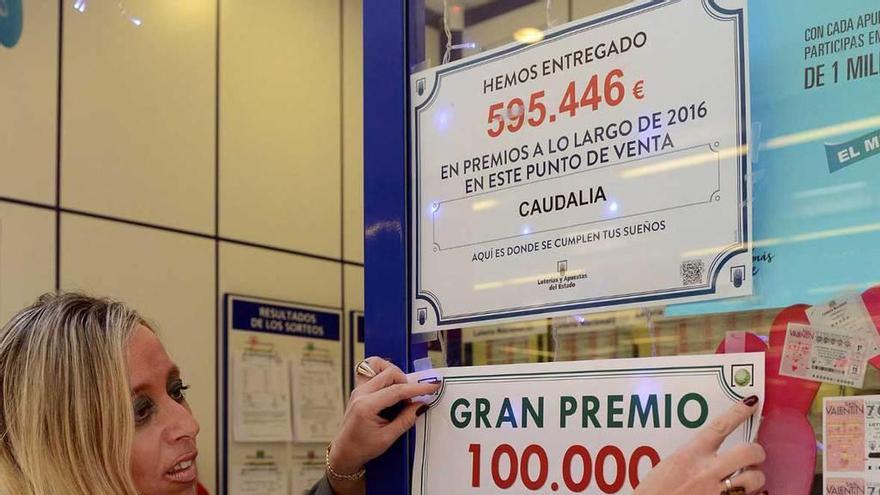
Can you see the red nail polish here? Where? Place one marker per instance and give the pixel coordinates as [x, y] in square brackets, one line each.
[751, 400]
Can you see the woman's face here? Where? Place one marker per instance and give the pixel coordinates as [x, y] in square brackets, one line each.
[163, 458]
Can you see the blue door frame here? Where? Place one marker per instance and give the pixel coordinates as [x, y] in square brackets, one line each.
[387, 48]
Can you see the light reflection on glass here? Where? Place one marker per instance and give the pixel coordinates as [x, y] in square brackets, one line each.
[646, 387]
[835, 289]
[809, 236]
[443, 119]
[822, 133]
[826, 191]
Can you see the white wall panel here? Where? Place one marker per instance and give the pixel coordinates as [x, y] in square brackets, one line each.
[27, 256]
[170, 279]
[28, 111]
[280, 132]
[353, 127]
[354, 301]
[138, 109]
[273, 275]
[354, 288]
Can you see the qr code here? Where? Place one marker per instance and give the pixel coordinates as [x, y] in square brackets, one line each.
[692, 272]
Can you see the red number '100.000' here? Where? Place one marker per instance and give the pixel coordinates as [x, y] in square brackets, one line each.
[624, 469]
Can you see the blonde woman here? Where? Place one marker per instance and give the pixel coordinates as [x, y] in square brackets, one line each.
[91, 404]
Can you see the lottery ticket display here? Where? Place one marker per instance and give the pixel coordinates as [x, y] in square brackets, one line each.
[852, 444]
[824, 355]
[835, 347]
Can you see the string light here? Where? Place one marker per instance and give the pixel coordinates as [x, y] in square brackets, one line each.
[463, 46]
[551, 21]
[81, 6]
[132, 19]
[447, 53]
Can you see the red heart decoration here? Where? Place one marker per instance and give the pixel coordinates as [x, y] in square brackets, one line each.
[785, 432]
[785, 391]
[871, 298]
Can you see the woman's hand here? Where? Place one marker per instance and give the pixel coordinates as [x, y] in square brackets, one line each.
[364, 435]
[698, 468]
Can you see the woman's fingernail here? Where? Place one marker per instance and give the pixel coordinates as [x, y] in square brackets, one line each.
[751, 400]
[421, 410]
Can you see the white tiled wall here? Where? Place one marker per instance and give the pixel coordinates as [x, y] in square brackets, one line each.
[280, 130]
[354, 295]
[352, 133]
[137, 111]
[29, 82]
[258, 272]
[139, 163]
[354, 301]
[27, 256]
[169, 278]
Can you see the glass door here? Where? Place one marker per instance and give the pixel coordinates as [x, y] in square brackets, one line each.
[811, 197]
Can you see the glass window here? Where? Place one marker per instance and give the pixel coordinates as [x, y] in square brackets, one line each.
[816, 195]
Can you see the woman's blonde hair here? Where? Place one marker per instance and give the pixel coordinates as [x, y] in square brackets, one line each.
[66, 422]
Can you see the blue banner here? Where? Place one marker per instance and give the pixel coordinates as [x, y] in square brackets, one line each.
[284, 320]
[816, 223]
[852, 151]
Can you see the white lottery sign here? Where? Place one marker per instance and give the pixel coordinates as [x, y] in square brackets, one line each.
[604, 166]
[589, 427]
